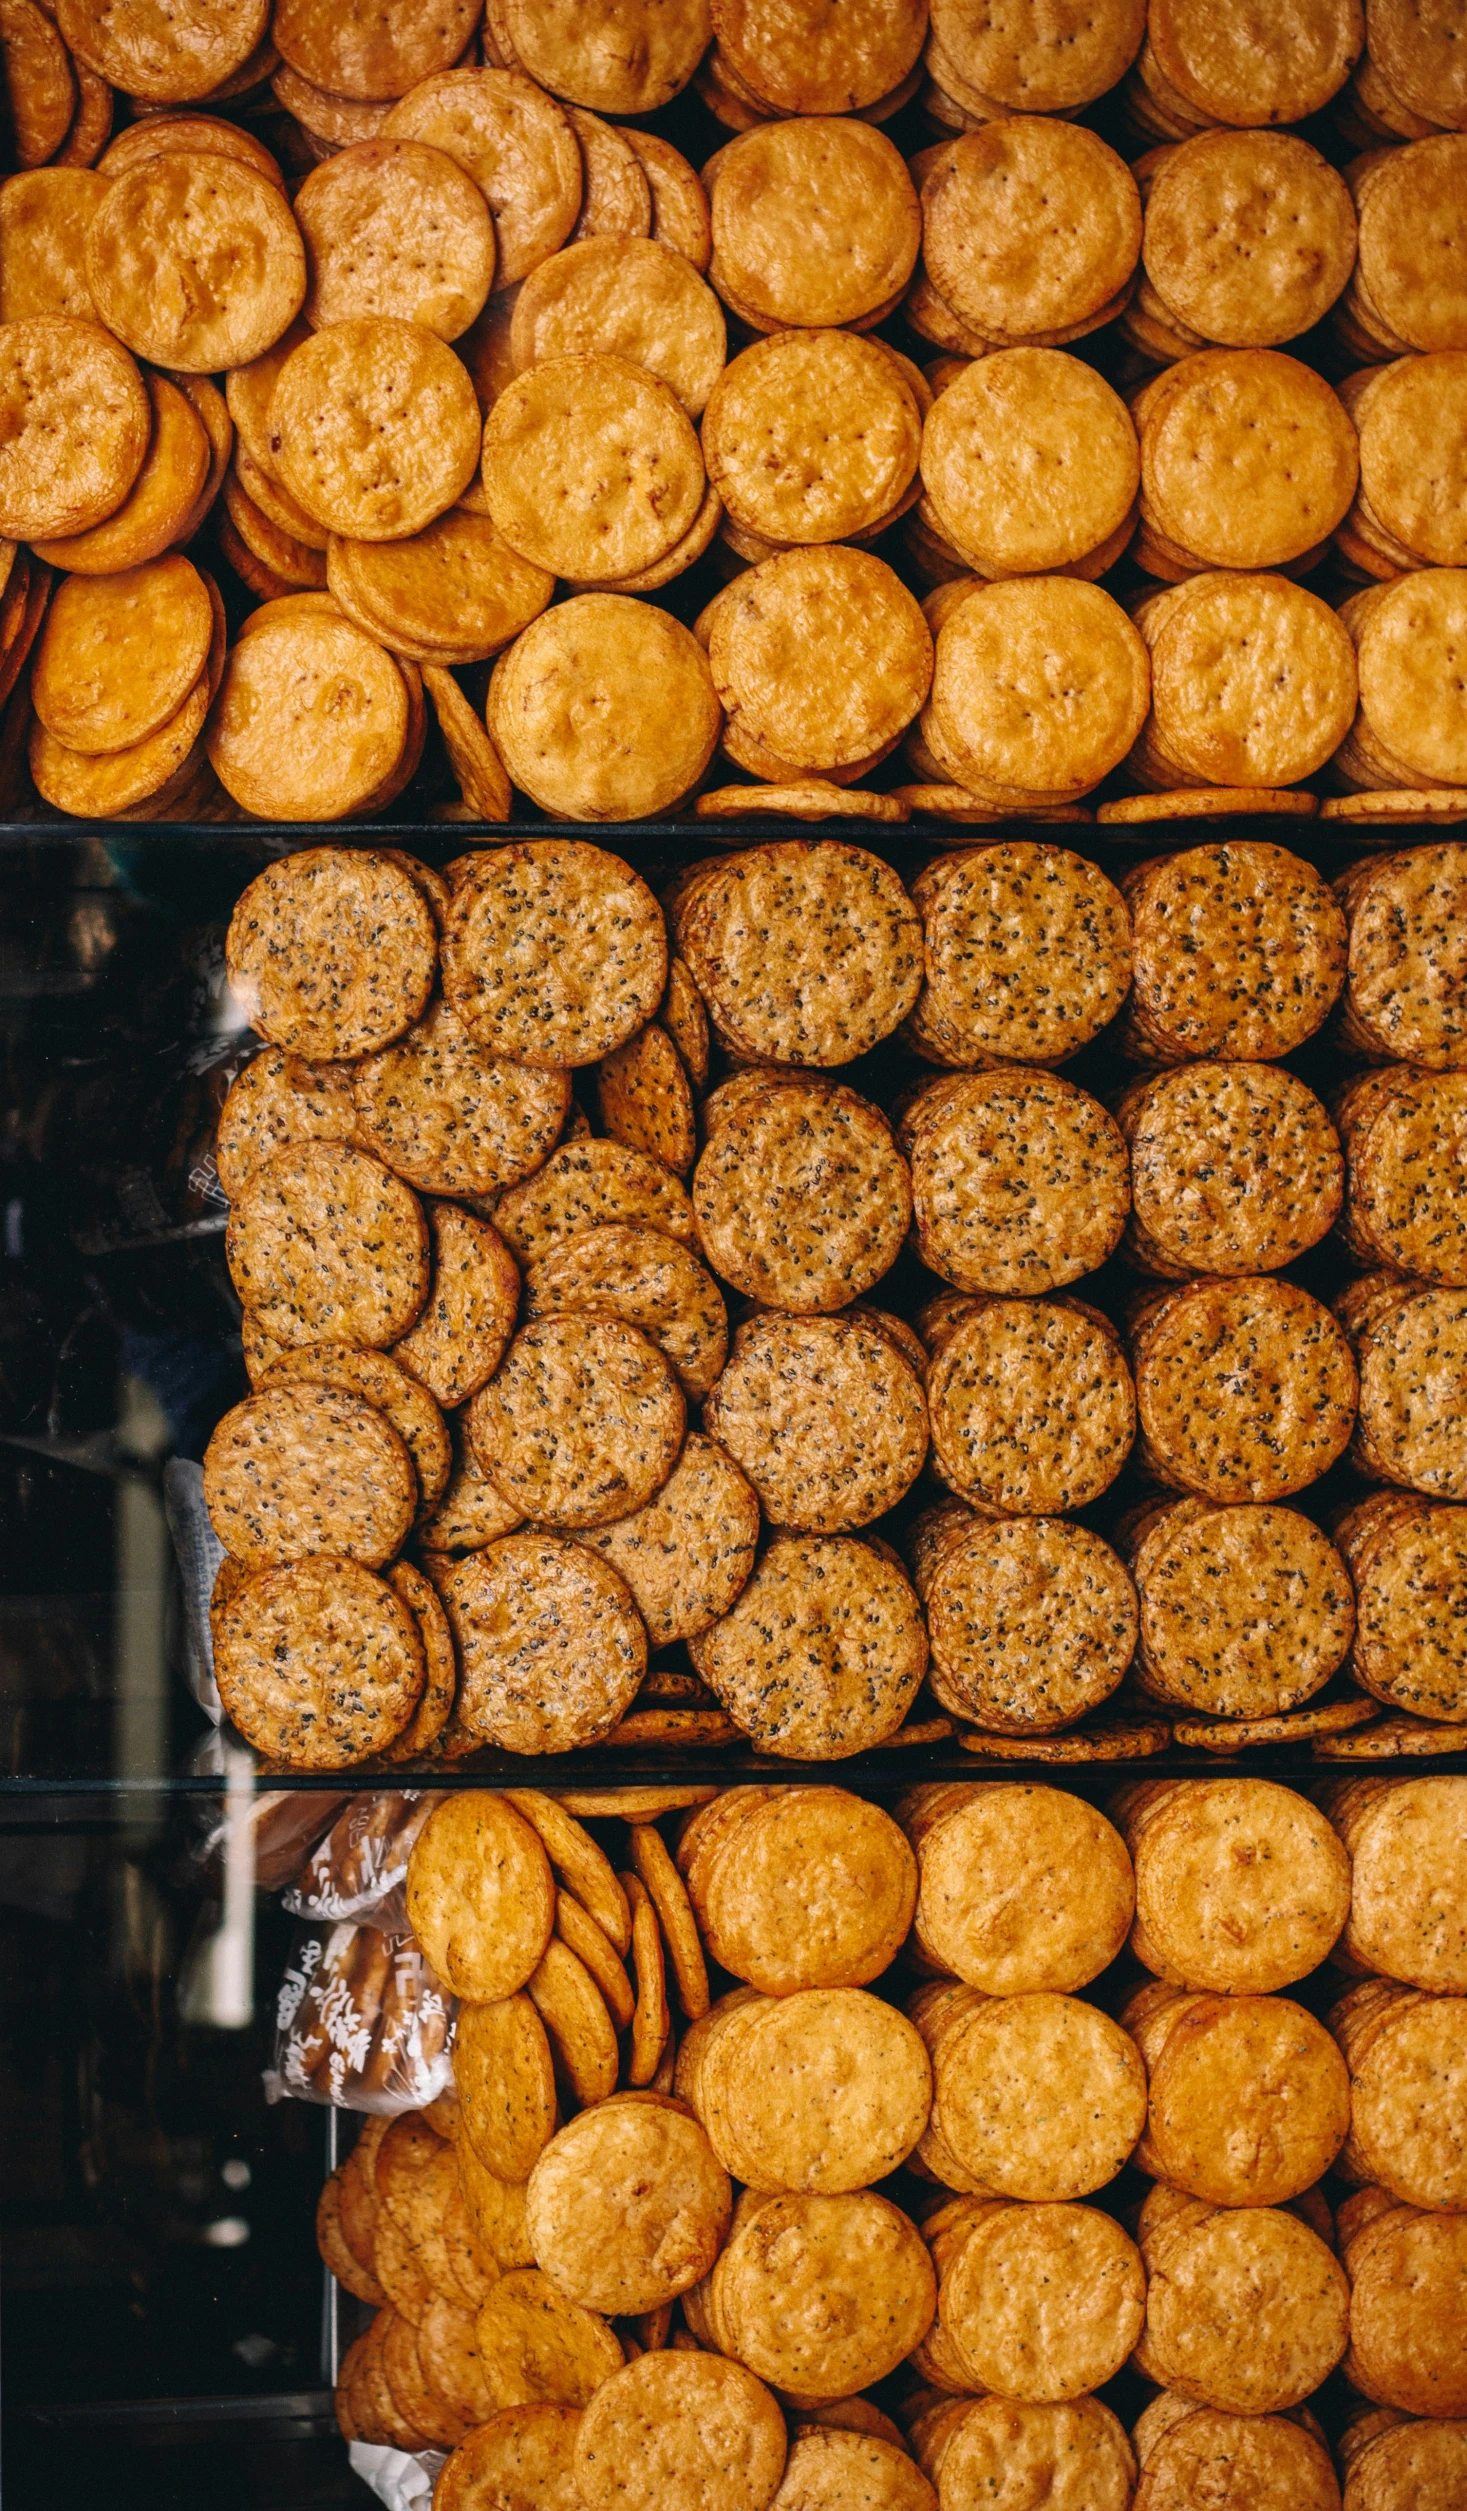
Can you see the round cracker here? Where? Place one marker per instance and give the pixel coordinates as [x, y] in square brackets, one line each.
[1031, 462]
[859, 1885]
[803, 63]
[1231, 658]
[679, 202]
[1247, 458]
[535, 2346]
[1245, 2308]
[453, 592]
[1036, 59]
[825, 1417]
[584, 1185]
[1266, 950]
[1266, 2066]
[1022, 1888]
[604, 710]
[1224, 74]
[996, 2310]
[196, 262]
[815, 223]
[299, 1470]
[624, 56]
[327, 1246]
[803, 1199]
[627, 2206]
[581, 1424]
[479, 1896]
[822, 1653]
[1246, 1611]
[1279, 230]
[1235, 1168]
[152, 54]
[1406, 2095]
[1040, 2096]
[394, 228]
[1027, 953]
[518, 146]
[685, 1555]
[167, 498]
[1039, 687]
[628, 297]
[811, 436]
[312, 719]
[501, 2066]
[1031, 1623]
[371, 54]
[75, 420]
[1241, 1887]
[44, 216]
[868, 2266]
[626, 1270]
[374, 428]
[526, 2451]
[550, 1646]
[1001, 238]
[1020, 1182]
[451, 1118]
[319, 1665]
[331, 953]
[646, 1101]
[866, 657]
[460, 1334]
[591, 468]
[1245, 1389]
[1406, 1561]
[1031, 1406]
[821, 2092]
[555, 951]
[118, 654]
[1405, 1200]
[684, 2431]
[390, 1389]
[807, 952]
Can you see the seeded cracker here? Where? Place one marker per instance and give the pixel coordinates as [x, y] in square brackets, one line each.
[459, 1337]
[326, 1245]
[585, 1184]
[823, 1652]
[582, 1423]
[452, 1118]
[1265, 956]
[824, 1415]
[646, 1101]
[1235, 1168]
[1031, 1623]
[555, 952]
[319, 1664]
[1031, 1405]
[1246, 1612]
[550, 1646]
[1019, 1180]
[803, 1198]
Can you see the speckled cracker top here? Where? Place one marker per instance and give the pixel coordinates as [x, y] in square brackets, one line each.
[278, 1099]
[331, 952]
[627, 1269]
[1032, 1406]
[1408, 1558]
[1020, 1182]
[326, 1245]
[302, 1469]
[823, 1651]
[1032, 1621]
[549, 1642]
[687, 1554]
[319, 1665]
[1411, 1344]
[826, 1416]
[1246, 1388]
[1235, 1168]
[581, 1423]
[554, 953]
[459, 1337]
[1027, 951]
[1408, 954]
[1240, 951]
[807, 952]
[1405, 1137]
[1245, 1611]
[803, 1198]
[583, 1184]
[451, 1117]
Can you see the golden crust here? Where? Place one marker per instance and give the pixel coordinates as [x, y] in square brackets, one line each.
[803, 1199]
[452, 1118]
[1241, 1886]
[699, 2429]
[319, 1665]
[1032, 1622]
[627, 2206]
[585, 1184]
[815, 222]
[1031, 1406]
[825, 1416]
[296, 1470]
[553, 903]
[196, 262]
[331, 953]
[1235, 1168]
[823, 1651]
[1029, 226]
[1245, 2308]
[820, 657]
[296, 1253]
[1022, 1887]
[604, 710]
[582, 1422]
[995, 2310]
[394, 228]
[518, 146]
[827, 1935]
[374, 427]
[1019, 1180]
[76, 425]
[628, 1271]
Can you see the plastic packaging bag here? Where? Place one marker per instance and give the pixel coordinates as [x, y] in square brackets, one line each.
[403, 2483]
[360, 1868]
[361, 2023]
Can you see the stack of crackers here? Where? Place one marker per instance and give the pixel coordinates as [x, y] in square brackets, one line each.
[627, 2259]
[451, 356]
[587, 1409]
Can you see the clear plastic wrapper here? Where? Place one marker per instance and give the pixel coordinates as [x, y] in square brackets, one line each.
[361, 2023]
[360, 1868]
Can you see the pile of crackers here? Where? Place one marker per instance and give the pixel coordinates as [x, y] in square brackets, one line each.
[751, 486]
[850, 2228]
[622, 1373]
